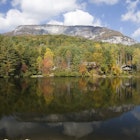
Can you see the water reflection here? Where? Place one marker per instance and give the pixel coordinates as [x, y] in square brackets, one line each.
[67, 108]
[62, 95]
[123, 127]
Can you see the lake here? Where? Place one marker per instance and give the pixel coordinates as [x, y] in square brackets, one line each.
[70, 108]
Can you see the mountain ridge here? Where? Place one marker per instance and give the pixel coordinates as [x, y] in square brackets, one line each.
[97, 33]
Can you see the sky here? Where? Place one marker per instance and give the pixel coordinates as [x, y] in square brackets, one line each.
[120, 15]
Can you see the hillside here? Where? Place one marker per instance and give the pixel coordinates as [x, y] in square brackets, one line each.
[89, 32]
[62, 55]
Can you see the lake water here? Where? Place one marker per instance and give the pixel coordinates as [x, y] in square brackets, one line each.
[70, 109]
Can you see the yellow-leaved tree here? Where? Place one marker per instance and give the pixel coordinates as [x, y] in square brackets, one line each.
[47, 63]
[136, 58]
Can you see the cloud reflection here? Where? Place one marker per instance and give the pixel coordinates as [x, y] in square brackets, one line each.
[14, 128]
[79, 129]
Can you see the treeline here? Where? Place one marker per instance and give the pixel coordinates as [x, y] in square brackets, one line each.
[61, 55]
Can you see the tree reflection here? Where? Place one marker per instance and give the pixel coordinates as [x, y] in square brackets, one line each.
[63, 95]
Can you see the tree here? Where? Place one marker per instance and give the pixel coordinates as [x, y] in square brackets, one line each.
[68, 56]
[47, 61]
[39, 64]
[8, 58]
[136, 58]
[82, 69]
[98, 58]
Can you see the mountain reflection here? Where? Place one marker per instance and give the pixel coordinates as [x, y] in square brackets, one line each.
[123, 127]
[63, 108]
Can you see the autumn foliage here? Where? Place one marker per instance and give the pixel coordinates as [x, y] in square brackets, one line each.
[47, 61]
[61, 55]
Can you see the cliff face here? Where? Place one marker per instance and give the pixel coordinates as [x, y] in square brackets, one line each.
[89, 32]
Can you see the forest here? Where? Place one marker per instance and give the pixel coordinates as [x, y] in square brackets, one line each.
[61, 55]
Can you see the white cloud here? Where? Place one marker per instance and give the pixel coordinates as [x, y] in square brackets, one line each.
[80, 17]
[42, 9]
[136, 33]
[12, 19]
[132, 4]
[132, 14]
[108, 2]
[54, 22]
[34, 12]
[77, 17]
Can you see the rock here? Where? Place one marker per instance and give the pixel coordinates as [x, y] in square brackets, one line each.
[89, 32]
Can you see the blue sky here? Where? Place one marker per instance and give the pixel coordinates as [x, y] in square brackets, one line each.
[121, 15]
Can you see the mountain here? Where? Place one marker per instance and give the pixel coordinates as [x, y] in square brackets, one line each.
[89, 32]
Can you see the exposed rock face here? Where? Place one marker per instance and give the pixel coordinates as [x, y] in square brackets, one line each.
[89, 32]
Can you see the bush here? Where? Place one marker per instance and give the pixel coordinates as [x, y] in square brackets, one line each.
[67, 73]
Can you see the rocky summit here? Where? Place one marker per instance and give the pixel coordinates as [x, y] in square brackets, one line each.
[89, 32]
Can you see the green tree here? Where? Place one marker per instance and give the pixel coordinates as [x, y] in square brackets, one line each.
[8, 57]
[39, 64]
